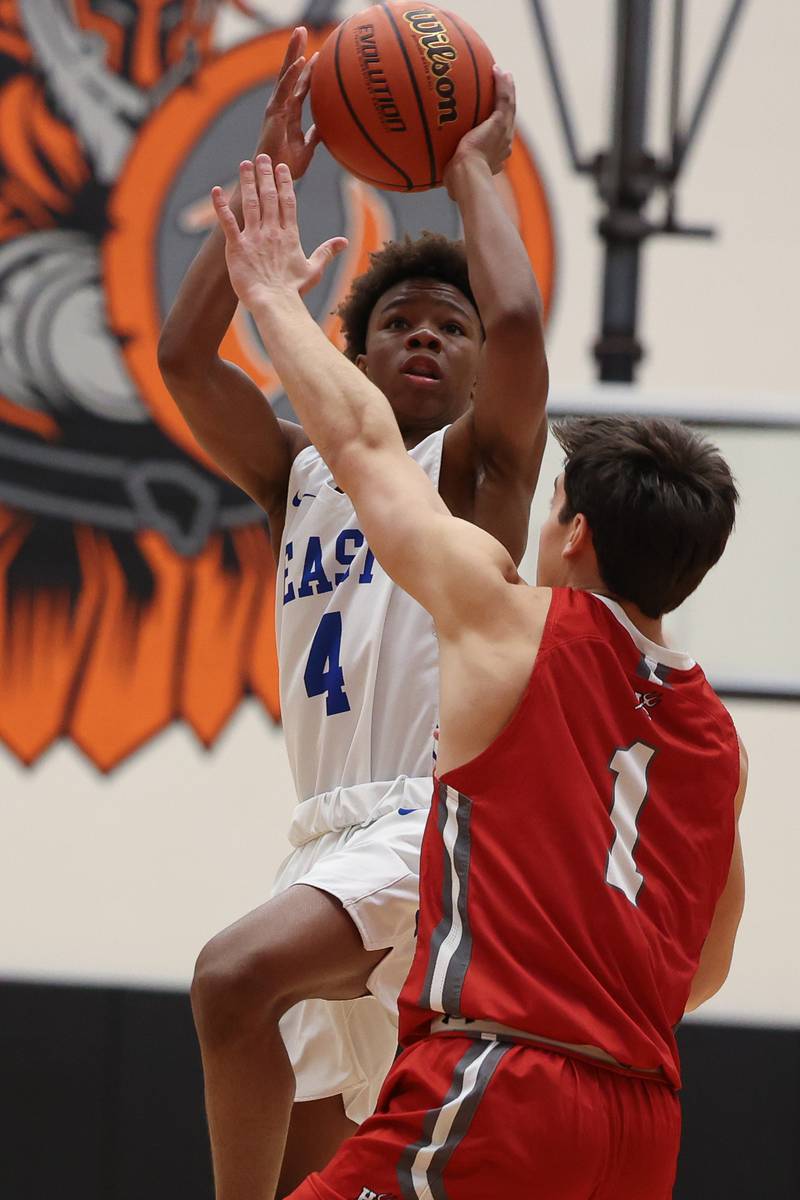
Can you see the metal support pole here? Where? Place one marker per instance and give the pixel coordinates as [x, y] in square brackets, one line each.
[626, 180]
[559, 92]
[627, 175]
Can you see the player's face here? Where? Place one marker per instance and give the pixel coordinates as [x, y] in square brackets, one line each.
[423, 344]
[551, 566]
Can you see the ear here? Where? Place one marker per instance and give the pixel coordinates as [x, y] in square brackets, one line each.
[579, 538]
[362, 364]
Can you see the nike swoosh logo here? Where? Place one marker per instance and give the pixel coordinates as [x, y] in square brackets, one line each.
[403, 812]
[298, 499]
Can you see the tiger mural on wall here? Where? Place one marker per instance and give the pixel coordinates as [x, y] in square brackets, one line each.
[137, 582]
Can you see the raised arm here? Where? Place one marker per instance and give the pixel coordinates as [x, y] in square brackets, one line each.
[225, 409]
[505, 431]
[428, 552]
[715, 961]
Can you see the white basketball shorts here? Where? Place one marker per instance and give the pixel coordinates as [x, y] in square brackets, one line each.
[345, 1047]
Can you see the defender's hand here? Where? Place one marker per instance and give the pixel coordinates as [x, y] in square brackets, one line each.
[492, 141]
[266, 255]
[282, 136]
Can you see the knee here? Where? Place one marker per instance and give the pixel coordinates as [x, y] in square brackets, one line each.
[236, 990]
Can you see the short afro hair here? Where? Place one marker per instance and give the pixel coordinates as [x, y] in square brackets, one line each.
[431, 256]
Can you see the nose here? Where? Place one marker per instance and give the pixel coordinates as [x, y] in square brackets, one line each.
[423, 339]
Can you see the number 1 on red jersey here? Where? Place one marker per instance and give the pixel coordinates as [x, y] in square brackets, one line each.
[629, 767]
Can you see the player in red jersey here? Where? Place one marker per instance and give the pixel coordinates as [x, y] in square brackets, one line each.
[582, 878]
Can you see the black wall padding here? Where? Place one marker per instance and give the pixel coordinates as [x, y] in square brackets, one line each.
[741, 1113]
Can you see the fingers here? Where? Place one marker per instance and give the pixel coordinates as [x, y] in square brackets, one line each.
[294, 62]
[512, 95]
[287, 82]
[296, 47]
[251, 205]
[287, 200]
[328, 251]
[227, 221]
[267, 191]
[294, 120]
[322, 258]
[312, 138]
[504, 92]
[304, 81]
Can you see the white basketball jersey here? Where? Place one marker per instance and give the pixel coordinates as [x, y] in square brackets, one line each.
[358, 657]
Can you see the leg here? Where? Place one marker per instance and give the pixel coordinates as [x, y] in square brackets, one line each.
[299, 945]
[316, 1131]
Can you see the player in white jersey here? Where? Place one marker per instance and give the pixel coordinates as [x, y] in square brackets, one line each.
[297, 1000]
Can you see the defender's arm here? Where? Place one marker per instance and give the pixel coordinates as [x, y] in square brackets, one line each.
[715, 960]
[507, 426]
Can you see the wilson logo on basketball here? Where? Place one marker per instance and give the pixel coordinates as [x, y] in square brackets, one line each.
[441, 54]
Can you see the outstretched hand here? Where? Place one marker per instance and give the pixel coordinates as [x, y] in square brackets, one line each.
[282, 136]
[491, 141]
[266, 256]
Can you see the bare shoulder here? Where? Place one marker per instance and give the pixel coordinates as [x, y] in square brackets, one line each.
[459, 472]
[527, 609]
[494, 493]
[275, 500]
[485, 667]
[295, 436]
[502, 607]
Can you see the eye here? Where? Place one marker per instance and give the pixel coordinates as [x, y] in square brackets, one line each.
[396, 323]
[453, 328]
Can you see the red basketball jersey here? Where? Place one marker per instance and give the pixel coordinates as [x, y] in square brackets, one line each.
[571, 871]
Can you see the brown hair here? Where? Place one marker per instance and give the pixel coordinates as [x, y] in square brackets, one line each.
[431, 256]
[659, 499]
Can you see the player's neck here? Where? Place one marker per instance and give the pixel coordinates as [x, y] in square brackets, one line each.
[415, 431]
[650, 627]
[413, 437]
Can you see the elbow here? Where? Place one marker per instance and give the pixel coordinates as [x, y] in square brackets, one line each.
[178, 360]
[699, 995]
[706, 985]
[172, 355]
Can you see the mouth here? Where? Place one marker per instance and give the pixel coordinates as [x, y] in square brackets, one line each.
[422, 370]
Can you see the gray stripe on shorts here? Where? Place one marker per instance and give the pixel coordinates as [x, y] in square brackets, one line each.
[459, 1126]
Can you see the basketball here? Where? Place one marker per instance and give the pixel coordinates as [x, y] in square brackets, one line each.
[395, 89]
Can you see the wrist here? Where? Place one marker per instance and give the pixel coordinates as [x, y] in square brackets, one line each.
[464, 168]
[269, 302]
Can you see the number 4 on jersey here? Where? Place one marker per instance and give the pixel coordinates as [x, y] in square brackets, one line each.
[629, 767]
[324, 675]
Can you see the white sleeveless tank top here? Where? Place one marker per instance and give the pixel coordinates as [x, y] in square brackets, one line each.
[358, 657]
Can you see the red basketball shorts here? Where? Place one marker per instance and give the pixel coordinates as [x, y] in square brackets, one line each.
[463, 1118]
